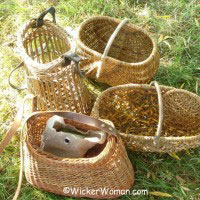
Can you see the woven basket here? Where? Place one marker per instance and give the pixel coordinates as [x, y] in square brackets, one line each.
[131, 57]
[51, 76]
[107, 166]
[145, 125]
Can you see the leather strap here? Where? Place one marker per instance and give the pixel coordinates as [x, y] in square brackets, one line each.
[80, 120]
[10, 133]
[71, 117]
[13, 129]
[21, 169]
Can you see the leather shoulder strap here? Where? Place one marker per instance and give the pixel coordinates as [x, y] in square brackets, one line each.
[83, 121]
[13, 129]
[80, 121]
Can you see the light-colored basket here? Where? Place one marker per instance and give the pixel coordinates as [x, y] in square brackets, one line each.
[104, 172]
[58, 84]
[131, 57]
[144, 125]
[107, 166]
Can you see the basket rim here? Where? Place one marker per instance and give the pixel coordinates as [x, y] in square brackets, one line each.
[110, 148]
[36, 66]
[145, 87]
[133, 26]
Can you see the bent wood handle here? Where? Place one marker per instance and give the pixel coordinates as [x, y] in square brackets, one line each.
[160, 120]
[110, 41]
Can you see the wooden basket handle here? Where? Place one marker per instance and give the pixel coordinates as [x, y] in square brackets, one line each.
[113, 36]
[160, 120]
[110, 41]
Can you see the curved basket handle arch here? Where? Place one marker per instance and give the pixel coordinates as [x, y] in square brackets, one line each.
[110, 41]
[160, 120]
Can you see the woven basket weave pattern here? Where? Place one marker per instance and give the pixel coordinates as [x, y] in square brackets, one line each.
[132, 58]
[66, 92]
[134, 111]
[181, 109]
[110, 169]
[42, 45]
[57, 86]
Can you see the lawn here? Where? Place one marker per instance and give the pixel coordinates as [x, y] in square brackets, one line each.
[175, 24]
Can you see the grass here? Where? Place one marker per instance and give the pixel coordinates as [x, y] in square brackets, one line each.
[175, 24]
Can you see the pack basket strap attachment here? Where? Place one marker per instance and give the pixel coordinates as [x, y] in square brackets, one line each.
[39, 20]
[68, 57]
[10, 75]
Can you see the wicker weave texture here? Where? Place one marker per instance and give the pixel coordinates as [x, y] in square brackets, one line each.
[132, 58]
[64, 92]
[41, 48]
[109, 168]
[182, 109]
[58, 87]
[133, 109]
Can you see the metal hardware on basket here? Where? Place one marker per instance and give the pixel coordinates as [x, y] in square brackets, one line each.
[76, 59]
[40, 20]
[160, 121]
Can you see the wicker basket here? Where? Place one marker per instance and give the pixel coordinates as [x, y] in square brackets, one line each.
[135, 112]
[109, 167]
[131, 57]
[105, 171]
[51, 75]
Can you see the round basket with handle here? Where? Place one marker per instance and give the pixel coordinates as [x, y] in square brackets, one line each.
[116, 52]
[52, 70]
[105, 167]
[152, 118]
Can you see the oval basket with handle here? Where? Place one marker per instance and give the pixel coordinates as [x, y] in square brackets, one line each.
[137, 112]
[116, 52]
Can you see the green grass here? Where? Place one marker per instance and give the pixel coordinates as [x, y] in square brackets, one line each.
[175, 24]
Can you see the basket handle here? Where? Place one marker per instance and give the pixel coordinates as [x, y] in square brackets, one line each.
[160, 120]
[110, 41]
[9, 78]
[39, 20]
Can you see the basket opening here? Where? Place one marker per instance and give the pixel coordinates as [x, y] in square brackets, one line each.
[35, 129]
[135, 111]
[45, 44]
[131, 45]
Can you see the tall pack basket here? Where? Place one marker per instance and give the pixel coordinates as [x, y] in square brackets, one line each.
[152, 118]
[51, 67]
[116, 52]
[106, 170]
